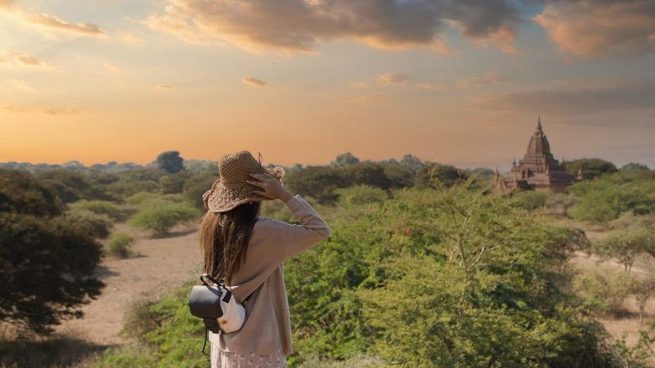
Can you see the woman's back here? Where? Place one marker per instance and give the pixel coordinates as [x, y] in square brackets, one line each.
[260, 279]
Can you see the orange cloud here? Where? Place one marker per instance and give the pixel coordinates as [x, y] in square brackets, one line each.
[252, 81]
[51, 21]
[300, 25]
[595, 28]
[29, 60]
[391, 78]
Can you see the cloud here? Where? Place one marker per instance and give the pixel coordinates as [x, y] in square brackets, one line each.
[584, 97]
[486, 79]
[300, 25]
[53, 111]
[592, 28]
[254, 82]
[429, 86]
[391, 78]
[50, 21]
[359, 85]
[165, 87]
[29, 60]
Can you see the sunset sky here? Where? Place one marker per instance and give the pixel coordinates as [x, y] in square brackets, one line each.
[301, 81]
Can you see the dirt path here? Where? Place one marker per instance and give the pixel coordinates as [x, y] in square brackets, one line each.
[160, 265]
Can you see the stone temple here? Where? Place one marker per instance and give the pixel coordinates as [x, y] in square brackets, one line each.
[538, 170]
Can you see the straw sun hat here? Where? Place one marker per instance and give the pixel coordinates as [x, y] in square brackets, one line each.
[231, 188]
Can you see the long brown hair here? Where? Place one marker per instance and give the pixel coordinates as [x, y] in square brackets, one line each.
[224, 239]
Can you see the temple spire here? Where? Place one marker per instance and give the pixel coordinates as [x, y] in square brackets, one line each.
[539, 124]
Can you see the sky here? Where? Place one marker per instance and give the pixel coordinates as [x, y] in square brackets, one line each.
[302, 81]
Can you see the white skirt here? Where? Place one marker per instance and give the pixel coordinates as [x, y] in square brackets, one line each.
[229, 359]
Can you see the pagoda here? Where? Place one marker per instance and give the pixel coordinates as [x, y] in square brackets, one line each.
[538, 170]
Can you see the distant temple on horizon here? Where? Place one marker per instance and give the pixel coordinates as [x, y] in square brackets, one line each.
[538, 170]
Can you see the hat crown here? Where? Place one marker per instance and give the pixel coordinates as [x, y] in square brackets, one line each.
[236, 167]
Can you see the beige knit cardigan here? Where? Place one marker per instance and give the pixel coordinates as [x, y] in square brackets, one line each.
[267, 328]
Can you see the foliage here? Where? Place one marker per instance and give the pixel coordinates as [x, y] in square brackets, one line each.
[345, 159]
[170, 161]
[85, 221]
[440, 278]
[435, 175]
[361, 195]
[161, 215]
[603, 292]
[643, 288]
[109, 209]
[73, 186]
[173, 183]
[21, 193]
[47, 270]
[626, 245]
[47, 259]
[197, 185]
[165, 329]
[119, 245]
[559, 204]
[607, 197]
[591, 167]
[529, 200]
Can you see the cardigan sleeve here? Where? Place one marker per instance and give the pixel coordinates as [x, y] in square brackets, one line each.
[312, 229]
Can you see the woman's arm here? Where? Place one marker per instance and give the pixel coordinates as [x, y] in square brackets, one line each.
[294, 238]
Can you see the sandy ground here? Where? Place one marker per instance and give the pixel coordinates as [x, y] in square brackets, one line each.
[159, 265]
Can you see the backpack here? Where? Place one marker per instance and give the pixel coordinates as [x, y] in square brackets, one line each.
[217, 306]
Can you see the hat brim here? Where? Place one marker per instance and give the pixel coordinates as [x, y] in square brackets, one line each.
[224, 197]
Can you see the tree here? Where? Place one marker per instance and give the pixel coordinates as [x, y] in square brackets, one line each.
[47, 261]
[434, 174]
[635, 166]
[626, 245]
[590, 167]
[170, 161]
[643, 289]
[21, 193]
[345, 159]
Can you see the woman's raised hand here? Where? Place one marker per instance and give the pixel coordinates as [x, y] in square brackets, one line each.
[271, 187]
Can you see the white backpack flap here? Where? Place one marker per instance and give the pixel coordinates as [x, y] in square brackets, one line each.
[216, 303]
[234, 314]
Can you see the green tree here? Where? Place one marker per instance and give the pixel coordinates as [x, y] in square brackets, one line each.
[626, 245]
[434, 174]
[590, 167]
[643, 288]
[170, 161]
[21, 193]
[345, 159]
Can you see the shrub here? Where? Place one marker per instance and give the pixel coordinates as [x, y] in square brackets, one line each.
[119, 245]
[602, 292]
[159, 215]
[361, 195]
[90, 223]
[47, 270]
[110, 209]
[529, 200]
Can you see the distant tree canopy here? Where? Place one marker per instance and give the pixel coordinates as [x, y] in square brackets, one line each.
[634, 166]
[433, 173]
[47, 260]
[170, 161]
[21, 193]
[591, 167]
[345, 159]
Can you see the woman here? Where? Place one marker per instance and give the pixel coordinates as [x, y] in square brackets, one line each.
[248, 251]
